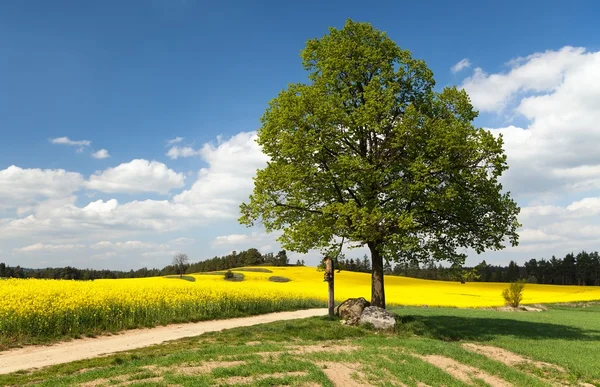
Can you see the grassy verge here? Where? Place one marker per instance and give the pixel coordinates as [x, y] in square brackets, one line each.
[319, 351]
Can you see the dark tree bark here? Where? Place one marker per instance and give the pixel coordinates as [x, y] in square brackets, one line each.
[377, 288]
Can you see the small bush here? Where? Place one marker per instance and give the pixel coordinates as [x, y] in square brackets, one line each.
[234, 277]
[254, 269]
[513, 295]
[276, 278]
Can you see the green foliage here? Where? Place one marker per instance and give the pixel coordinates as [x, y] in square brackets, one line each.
[369, 152]
[513, 295]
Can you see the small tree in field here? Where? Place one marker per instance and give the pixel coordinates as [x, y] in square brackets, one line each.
[513, 295]
[180, 262]
[368, 151]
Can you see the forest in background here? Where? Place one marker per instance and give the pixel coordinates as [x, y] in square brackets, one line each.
[582, 269]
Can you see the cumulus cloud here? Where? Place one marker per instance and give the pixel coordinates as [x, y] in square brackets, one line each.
[539, 72]
[558, 94]
[101, 154]
[104, 255]
[216, 194]
[175, 140]
[177, 152]
[128, 245]
[23, 187]
[227, 181]
[68, 141]
[40, 247]
[461, 65]
[182, 241]
[230, 239]
[137, 176]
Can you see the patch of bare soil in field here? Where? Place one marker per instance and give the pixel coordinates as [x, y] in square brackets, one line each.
[341, 374]
[463, 372]
[509, 358]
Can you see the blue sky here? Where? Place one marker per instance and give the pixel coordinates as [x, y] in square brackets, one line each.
[127, 77]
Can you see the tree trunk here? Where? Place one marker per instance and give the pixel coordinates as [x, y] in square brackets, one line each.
[331, 301]
[329, 269]
[377, 289]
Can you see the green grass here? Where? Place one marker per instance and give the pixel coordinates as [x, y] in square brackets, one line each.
[566, 336]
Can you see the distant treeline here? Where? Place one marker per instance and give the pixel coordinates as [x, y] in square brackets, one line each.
[581, 269]
[250, 257]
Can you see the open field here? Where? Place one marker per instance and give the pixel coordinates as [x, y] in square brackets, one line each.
[33, 311]
[431, 347]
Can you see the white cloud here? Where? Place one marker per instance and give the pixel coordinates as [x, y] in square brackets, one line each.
[175, 140]
[67, 141]
[102, 245]
[105, 255]
[182, 241]
[216, 195]
[461, 65]
[539, 72]
[558, 93]
[230, 239]
[137, 176]
[101, 154]
[24, 187]
[129, 245]
[40, 247]
[177, 152]
[228, 179]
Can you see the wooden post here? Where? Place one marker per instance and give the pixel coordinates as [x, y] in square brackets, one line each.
[329, 270]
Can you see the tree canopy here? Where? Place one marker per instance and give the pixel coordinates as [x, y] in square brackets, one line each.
[368, 151]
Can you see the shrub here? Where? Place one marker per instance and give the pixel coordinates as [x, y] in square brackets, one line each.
[276, 278]
[514, 293]
[234, 277]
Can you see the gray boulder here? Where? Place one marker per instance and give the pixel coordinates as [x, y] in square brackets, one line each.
[378, 317]
[351, 310]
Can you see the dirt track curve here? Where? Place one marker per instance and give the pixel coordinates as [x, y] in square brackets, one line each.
[42, 356]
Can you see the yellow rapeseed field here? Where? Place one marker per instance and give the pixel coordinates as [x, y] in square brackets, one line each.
[33, 308]
[412, 291]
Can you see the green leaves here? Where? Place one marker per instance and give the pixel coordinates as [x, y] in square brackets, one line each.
[369, 152]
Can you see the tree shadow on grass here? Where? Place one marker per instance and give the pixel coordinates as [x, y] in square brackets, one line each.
[454, 328]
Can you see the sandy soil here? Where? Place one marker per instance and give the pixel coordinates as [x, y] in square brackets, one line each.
[463, 372]
[43, 356]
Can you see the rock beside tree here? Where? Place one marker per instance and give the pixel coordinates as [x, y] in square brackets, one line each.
[378, 317]
[351, 310]
[356, 311]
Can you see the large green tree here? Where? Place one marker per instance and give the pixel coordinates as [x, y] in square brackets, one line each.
[367, 151]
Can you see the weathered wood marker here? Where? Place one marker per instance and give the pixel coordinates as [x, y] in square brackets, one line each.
[329, 278]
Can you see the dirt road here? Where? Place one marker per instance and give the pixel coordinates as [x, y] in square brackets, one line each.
[42, 356]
